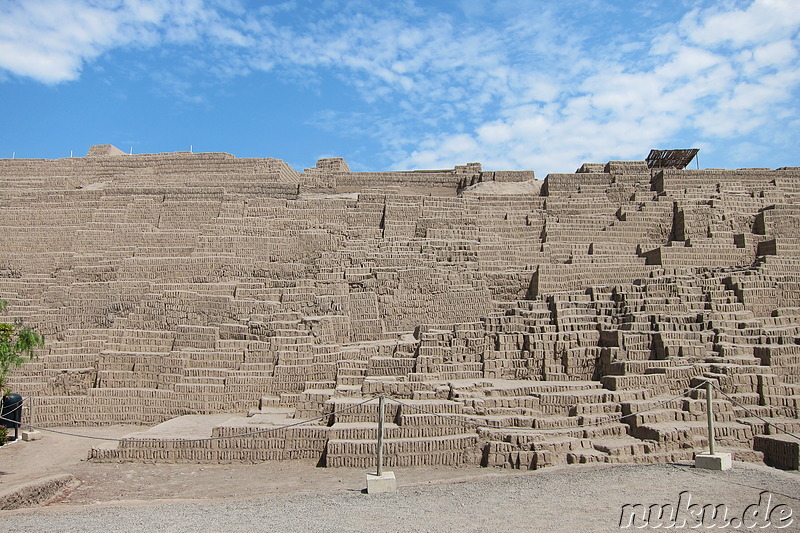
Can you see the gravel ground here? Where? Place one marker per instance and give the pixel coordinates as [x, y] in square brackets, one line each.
[573, 499]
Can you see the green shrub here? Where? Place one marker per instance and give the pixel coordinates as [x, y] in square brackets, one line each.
[17, 346]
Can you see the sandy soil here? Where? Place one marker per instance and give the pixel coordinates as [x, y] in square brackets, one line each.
[298, 496]
[23, 462]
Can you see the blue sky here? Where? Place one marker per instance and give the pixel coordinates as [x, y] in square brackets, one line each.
[542, 85]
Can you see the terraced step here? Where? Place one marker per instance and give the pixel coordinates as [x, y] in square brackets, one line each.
[450, 450]
[656, 382]
[622, 368]
[355, 410]
[731, 434]
[761, 427]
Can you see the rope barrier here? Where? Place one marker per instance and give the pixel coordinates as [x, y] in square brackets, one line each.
[17, 408]
[557, 428]
[410, 406]
[201, 439]
[751, 413]
[399, 402]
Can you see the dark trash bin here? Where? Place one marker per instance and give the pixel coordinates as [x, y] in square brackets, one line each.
[12, 413]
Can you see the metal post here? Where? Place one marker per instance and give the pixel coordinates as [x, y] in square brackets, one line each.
[710, 417]
[30, 410]
[380, 435]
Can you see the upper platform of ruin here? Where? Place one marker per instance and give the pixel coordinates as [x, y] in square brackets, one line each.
[107, 167]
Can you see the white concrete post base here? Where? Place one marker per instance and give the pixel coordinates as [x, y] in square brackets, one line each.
[31, 434]
[718, 461]
[383, 483]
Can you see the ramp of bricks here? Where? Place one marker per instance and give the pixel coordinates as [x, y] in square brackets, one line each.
[515, 320]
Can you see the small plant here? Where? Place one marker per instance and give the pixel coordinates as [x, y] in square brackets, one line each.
[17, 346]
[3, 435]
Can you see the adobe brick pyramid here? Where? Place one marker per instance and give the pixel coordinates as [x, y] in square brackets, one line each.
[516, 321]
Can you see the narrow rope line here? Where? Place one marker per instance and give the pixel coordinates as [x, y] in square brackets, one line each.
[751, 413]
[202, 439]
[416, 408]
[558, 428]
[17, 408]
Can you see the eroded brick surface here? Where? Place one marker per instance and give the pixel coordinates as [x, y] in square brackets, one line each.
[516, 320]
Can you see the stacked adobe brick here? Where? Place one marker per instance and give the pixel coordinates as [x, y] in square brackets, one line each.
[517, 323]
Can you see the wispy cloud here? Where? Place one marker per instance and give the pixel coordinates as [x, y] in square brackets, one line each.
[707, 76]
[514, 84]
[51, 40]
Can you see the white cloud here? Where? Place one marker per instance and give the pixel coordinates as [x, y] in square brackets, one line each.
[762, 21]
[686, 82]
[775, 54]
[512, 84]
[51, 40]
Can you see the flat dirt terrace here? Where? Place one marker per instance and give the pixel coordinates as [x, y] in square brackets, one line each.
[298, 496]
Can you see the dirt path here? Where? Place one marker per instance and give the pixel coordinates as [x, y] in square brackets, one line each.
[297, 496]
[23, 462]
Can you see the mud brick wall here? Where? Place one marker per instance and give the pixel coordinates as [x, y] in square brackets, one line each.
[170, 284]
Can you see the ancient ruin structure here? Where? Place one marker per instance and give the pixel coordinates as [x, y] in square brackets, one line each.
[516, 320]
